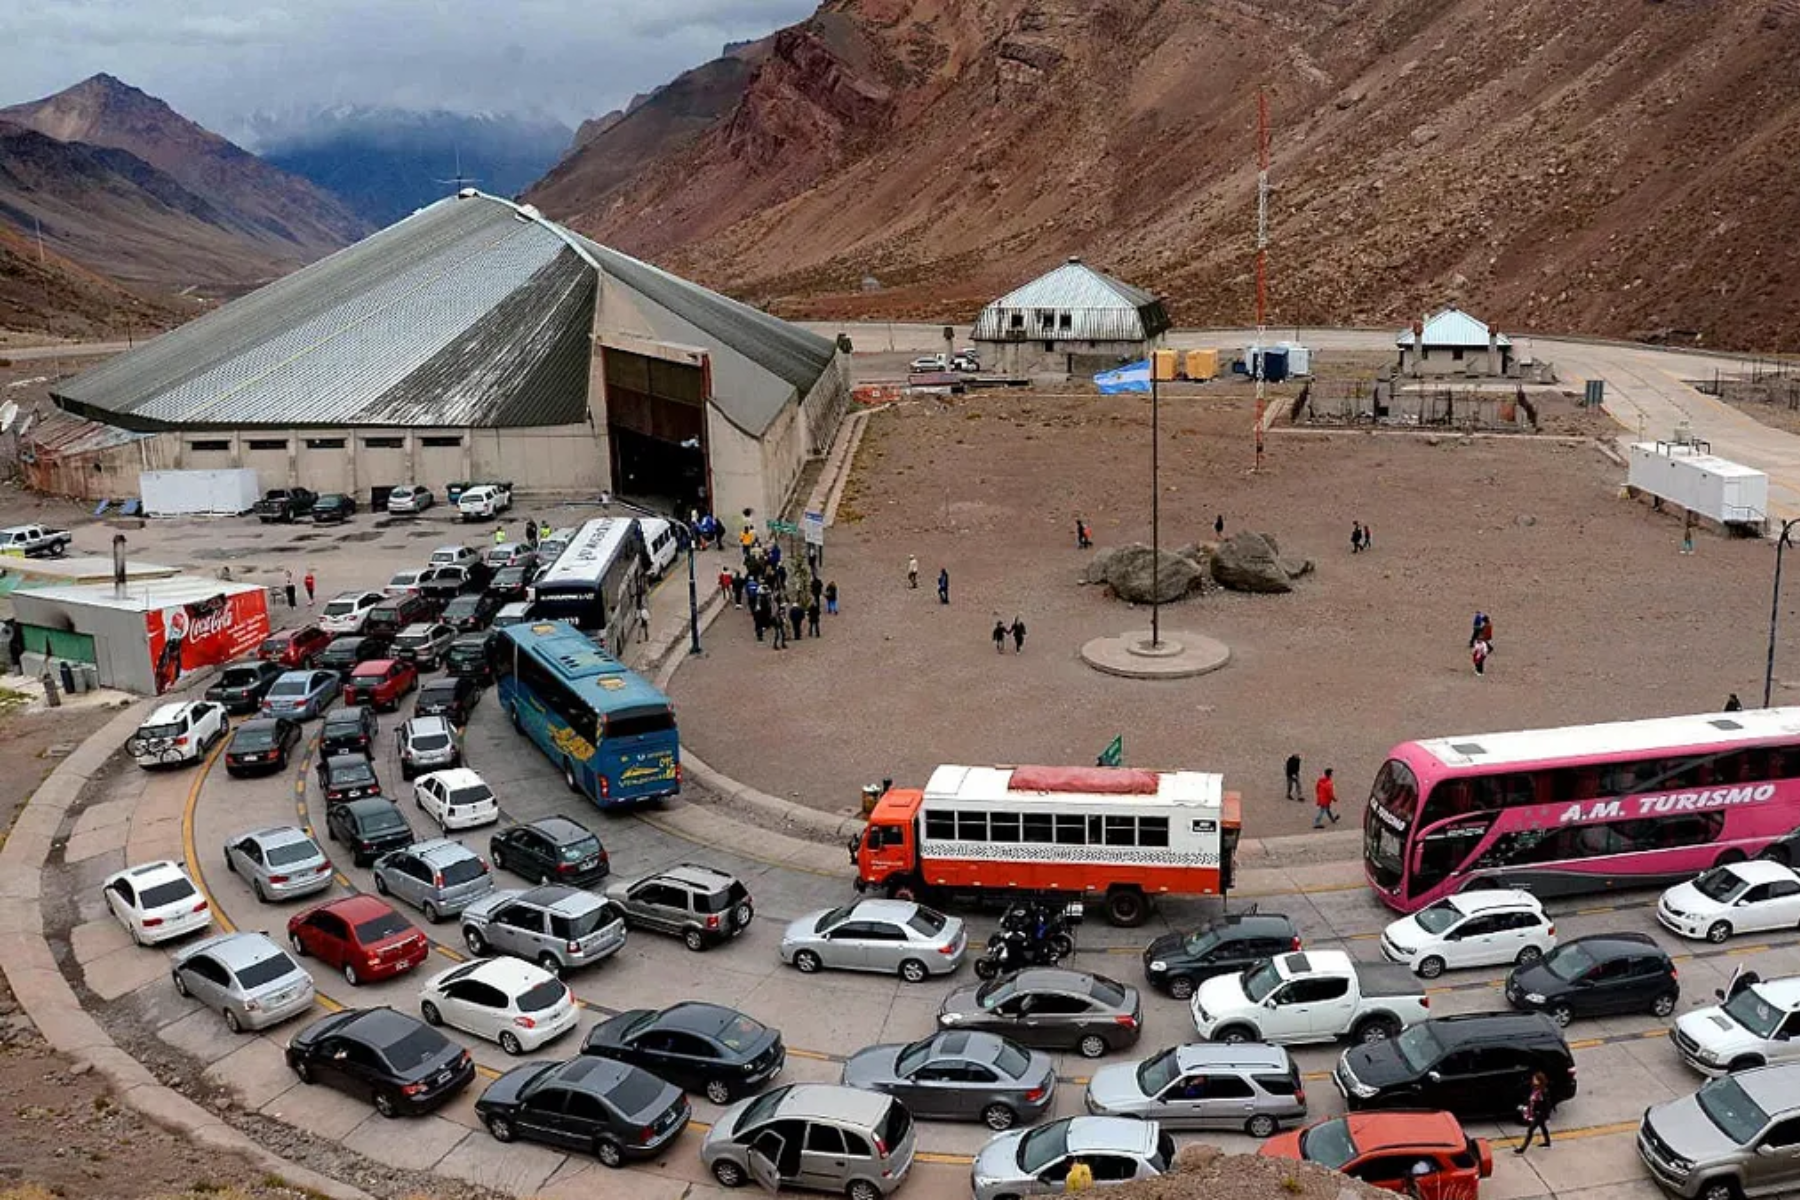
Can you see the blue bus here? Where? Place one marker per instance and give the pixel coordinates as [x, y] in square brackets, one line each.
[611, 734]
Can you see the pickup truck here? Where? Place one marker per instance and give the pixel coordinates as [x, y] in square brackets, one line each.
[484, 500]
[34, 541]
[1309, 996]
[284, 504]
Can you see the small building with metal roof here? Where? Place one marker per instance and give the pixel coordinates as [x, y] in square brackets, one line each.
[476, 339]
[1072, 320]
[1453, 342]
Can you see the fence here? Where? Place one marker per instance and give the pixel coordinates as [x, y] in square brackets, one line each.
[1378, 403]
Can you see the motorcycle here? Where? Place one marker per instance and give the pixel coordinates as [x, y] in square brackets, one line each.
[1032, 933]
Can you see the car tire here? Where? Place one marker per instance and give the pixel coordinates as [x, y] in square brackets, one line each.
[1092, 1046]
[509, 1042]
[430, 1012]
[1127, 907]
[303, 1071]
[385, 1105]
[999, 1117]
[1562, 1015]
[350, 975]
[608, 1153]
[729, 1174]
[1430, 967]
[914, 971]
[694, 940]
[499, 857]
[231, 1021]
[499, 1128]
[551, 964]
[1718, 932]
[862, 1189]
[474, 941]
[381, 887]
[230, 867]
[1529, 955]
[298, 945]
[181, 987]
[719, 1091]
[1262, 1125]
[1663, 1005]
[1719, 1189]
[432, 915]
[1377, 1029]
[1181, 988]
[806, 962]
[1234, 1035]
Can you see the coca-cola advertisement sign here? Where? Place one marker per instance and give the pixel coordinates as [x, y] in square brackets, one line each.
[186, 637]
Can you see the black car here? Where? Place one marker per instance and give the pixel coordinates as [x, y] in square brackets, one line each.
[608, 1109]
[370, 827]
[350, 730]
[400, 1063]
[452, 697]
[1476, 1065]
[467, 658]
[512, 583]
[705, 1048]
[470, 613]
[260, 746]
[347, 777]
[551, 850]
[333, 507]
[1597, 975]
[241, 686]
[1177, 963]
[347, 653]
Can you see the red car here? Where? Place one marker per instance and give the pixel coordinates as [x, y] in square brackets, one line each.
[294, 648]
[360, 936]
[380, 683]
[1421, 1154]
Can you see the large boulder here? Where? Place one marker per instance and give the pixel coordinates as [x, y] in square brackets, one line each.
[1252, 562]
[1130, 571]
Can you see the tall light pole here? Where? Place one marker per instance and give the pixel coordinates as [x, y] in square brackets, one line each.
[1155, 510]
[693, 587]
[1787, 528]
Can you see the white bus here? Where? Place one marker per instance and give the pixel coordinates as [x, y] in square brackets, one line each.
[595, 581]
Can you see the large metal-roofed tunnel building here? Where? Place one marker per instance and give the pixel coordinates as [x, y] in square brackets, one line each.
[476, 339]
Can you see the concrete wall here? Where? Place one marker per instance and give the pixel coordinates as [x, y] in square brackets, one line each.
[121, 646]
[1443, 361]
[736, 462]
[1031, 358]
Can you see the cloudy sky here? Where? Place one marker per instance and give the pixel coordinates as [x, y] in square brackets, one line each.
[216, 60]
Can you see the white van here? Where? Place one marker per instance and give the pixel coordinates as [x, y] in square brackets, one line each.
[659, 543]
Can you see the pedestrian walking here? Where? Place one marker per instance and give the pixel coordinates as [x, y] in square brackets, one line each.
[812, 618]
[1687, 536]
[1294, 791]
[1536, 1112]
[912, 571]
[1082, 540]
[756, 621]
[797, 615]
[1479, 653]
[1733, 704]
[531, 532]
[774, 554]
[831, 597]
[1356, 537]
[817, 587]
[751, 589]
[779, 627]
[643, 623]
[308, 581]
[999, 636]
[780, 575]
[499, 536]
[737, 589]
[1018, 635]
[544, 532]
[1219, 525]
[1368, 537]
[1475, 627]
[1325, 796]
[943, 585]
[287, 584]
[724, 584]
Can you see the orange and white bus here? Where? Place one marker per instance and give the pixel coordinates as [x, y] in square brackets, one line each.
[1125, 834]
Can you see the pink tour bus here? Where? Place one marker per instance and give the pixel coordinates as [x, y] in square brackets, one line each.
[1588, 808]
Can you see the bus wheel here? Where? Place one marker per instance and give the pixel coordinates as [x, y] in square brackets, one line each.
[902, 891]
[1127, 907]
[569, 775]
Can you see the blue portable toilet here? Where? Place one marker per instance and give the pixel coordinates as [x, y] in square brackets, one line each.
[1275, 365]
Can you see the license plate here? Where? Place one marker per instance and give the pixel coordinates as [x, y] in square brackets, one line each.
[586, 863]
[443, 1076]
[405, 965]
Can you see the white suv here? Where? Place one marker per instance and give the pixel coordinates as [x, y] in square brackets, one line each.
[1474, 929]
[456, 799]
[1758, 1025]
[345, 613]
[484, 500]
[178, 733]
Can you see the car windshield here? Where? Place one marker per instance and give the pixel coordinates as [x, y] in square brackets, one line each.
[159, 731]
[238, 677]
[1721, 884]
[462, 606]
[441, 692]
[290, 687]
[404, 579]
[1329, 1144]
[718, 902]
[835, 917]
[478, 794]
[1012, 1061]
[356, 771]
[741, 1033]
[253, 737]
[912, 1057]
[1043, 1146]
[1106, 991]
[1158, 1073]
[1419, 1047]
[1728, 1106]
[927, 923]
[265, 970]
[1203, 940]
[383, 614]
[463, 870]
[1260, 980]
[635, 1092]
[581, 924]
[345, 722]
[507, 577]
[547, 994]
[763, 1107]
[170, 891]
[381, 818]
[274, 647]
[414, 1050]
[1438, 917]
[340, 608]
[375, 929]
[1750, 1010]
[1569, 963]
[291, 852]
[413, 639]
[996, 992]
[427, 742]
[578, 850]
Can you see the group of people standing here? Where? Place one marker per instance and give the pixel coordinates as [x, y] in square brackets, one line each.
[778, 601]
[1481, 641]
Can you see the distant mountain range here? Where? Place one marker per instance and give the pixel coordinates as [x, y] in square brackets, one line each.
[385, 163]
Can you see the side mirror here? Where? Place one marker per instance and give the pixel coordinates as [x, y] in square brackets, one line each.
[1719, 994]
[1269, 1003]
[1434, 1076]
[1765, 1150]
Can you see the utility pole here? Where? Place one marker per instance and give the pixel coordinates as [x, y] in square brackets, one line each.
[1787, 527]
[1262, 261]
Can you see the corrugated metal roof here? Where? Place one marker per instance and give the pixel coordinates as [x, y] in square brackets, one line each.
[1099, 307]
[1452, 327]
[58, 434]
[465, 313]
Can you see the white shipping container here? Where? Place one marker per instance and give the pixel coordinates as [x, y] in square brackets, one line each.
[198, 493]
[1704, 484]
[1299, 358]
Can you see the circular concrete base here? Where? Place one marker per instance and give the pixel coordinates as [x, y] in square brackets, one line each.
[1179, 655]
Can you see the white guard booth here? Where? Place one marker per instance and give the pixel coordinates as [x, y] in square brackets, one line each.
[198, 493]
[1684, 474]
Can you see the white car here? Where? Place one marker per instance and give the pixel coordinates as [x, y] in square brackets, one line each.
[346, 612]
[506, 1000]
[1475, 929]
[405, 583]
[1759, 1024]
[931, 362]
[410, 498]
[453, 556]
[1736, 898]
[456, 799]
[178, 733]
[156, 902]
[483, 500]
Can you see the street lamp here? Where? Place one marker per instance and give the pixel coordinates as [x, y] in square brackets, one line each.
[693, 587]
[1787, 528]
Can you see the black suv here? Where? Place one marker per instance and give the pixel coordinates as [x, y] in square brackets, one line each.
[551, 850]
[242, 686]
[471, 612]
[467, 658]
[452, 697]
[348, 731]
[1597, 975]
[347, 653]
[347, 777]
[370, 827]
[1177, 963]
[1476, 1065]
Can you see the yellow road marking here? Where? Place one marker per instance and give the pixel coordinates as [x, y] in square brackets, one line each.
[948, 1160]
[1561, 1134]
[797, 1052]
[187, 838]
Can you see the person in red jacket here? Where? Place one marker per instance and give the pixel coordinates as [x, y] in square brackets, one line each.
[1325, 795]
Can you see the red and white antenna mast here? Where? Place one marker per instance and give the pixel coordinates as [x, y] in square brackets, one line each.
[1262, 261]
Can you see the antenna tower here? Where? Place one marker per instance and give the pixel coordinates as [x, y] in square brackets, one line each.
[461, 181]
[1262, 261]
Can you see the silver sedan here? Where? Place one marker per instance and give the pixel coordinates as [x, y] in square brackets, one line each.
[279, 862]
[877, 935]
[959, 1076]
[245, 978]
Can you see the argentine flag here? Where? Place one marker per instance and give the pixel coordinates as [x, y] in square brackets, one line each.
[1132, 377]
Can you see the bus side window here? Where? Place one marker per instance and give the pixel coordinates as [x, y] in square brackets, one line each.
[971, 827]
[1569, 784]
[940, 826]
[1153, 831]
[1003, 827]
[1038, 828]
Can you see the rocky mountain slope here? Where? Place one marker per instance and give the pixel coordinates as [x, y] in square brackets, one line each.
[47, 294]
[1619, 169]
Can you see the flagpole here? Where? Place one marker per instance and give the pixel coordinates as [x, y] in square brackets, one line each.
[1155, 513]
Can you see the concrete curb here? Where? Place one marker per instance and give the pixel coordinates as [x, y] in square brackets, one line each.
[38, 985]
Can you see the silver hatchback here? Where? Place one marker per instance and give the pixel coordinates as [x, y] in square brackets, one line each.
[278, 863]
[1251, 1087]
[439, 877]
[1737, 1136]
[877, 935]
[245, 978]
[554, 926]
[428, 744]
